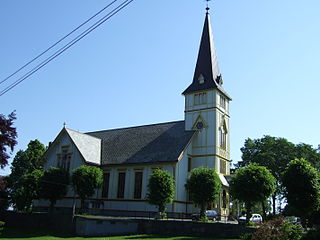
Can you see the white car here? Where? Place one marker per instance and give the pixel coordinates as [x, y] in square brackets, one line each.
[256, 218]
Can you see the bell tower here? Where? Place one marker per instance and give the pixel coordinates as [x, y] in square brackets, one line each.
[207, 109]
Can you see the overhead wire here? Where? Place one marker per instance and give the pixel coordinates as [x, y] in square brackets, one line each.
[67, 46]
[56, 43]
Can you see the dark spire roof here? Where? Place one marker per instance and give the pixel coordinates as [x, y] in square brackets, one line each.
[207, 74]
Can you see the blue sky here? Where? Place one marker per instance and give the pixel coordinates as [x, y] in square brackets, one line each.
[133, 69]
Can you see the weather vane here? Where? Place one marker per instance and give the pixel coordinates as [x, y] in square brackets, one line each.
[207, 8]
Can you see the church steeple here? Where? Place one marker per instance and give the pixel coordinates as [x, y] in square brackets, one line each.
[207, 74]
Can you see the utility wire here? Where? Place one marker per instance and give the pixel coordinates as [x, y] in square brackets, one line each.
[67, 46]
[56, 43]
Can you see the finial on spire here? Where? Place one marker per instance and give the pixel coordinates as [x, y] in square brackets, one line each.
[64, 124]
[207, 8]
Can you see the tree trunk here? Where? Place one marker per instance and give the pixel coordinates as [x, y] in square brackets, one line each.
[264, 210]
[249, 210]
[51, 208]
[274, 198]
[202, 210]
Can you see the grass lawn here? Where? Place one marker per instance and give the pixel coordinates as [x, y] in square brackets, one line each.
[18, 234]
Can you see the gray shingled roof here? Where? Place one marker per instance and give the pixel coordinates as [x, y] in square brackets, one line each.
[155, 143]
[88, 146]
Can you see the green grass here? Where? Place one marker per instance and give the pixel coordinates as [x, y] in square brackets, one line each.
[18, 234]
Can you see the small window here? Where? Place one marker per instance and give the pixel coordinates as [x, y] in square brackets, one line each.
[223, 138]
[223, 102]
[223, 168]
[201, 79]
[200, 98]
[121, 184]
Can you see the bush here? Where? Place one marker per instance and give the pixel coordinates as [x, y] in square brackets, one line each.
[1, 226]
[246, 236]
[278, 229]
[312, 235]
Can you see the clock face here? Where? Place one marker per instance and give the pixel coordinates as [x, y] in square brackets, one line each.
[199, 125]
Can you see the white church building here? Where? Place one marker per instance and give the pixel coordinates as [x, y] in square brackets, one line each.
[128, 156]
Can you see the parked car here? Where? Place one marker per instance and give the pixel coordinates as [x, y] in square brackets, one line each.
[255, 218]
[211, 215]
[293, 219]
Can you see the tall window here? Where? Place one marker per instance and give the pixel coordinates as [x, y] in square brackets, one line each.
[223, 168]
[105, 186]
[200, 98]
[222, 101]
[223, 138]
[121, 184]
[64, 158]
[137, 185]
[189, 164]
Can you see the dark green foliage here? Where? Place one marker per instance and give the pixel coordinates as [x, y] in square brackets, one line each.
[301, 182]
[24, 164]
[54, 185]
[312, 235]
[8, 135]
[204, 186]
[4, 195]
[275, 153]
[85, 180]
[278, 229]
[160, 189]
[252, 184]
[26, 190]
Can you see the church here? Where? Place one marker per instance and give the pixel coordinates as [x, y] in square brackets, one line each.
[128, 156]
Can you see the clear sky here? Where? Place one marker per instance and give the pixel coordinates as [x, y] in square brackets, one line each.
[132, 70]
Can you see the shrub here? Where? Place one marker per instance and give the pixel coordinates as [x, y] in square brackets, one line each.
[1, 226]
[246, 236]
[278, 229]
[312, 235]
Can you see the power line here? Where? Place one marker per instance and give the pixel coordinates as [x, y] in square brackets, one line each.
[56, 43]
[67, 46]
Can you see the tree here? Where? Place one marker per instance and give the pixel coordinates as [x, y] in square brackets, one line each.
[160, 189]
[27, 189]
[54, 185]
[24, 163]
[301, 182]
[204, 186]
[4, 199]
[252, 184]
[85, 180]
[275, 153]
[8, 135]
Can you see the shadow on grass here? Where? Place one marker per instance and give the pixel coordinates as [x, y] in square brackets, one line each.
[170, 237]
[31, 233]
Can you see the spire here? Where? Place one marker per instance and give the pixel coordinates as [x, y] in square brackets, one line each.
[207, 74]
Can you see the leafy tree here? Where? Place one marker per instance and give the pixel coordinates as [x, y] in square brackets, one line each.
[160, 189]
[24, 163]
[54, 185]
[308, 153]
[8, 135]
[204, 187]
[85, 180]
[27, 189]
[252, 184]
[275, 153]
[4, 199]
[301, 181]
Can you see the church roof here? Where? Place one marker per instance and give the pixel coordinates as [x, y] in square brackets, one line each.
[207, 74]
[88, 146]
[157, 143]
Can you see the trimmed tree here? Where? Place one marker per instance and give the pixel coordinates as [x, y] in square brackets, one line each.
[85, 180]
[54, 185]
[160, 190]
[204, 187]
[252, 184]
[8, 135]
[302, 186]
